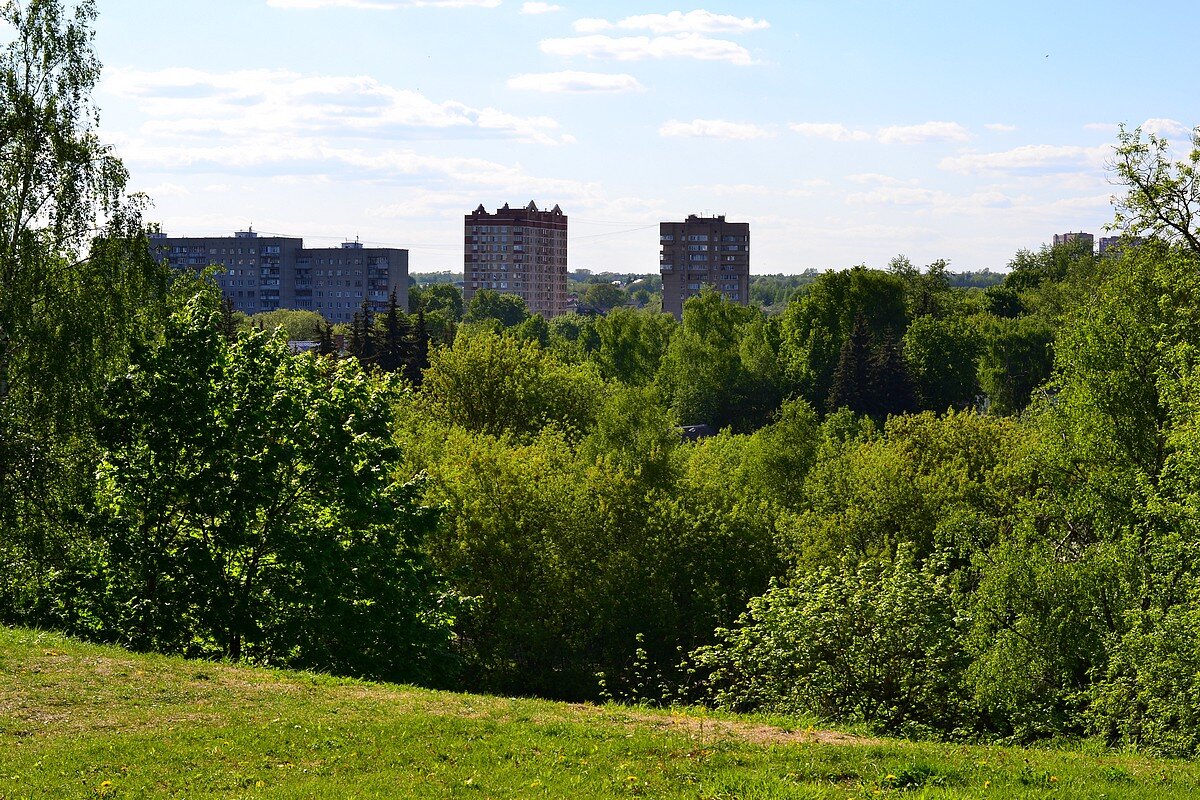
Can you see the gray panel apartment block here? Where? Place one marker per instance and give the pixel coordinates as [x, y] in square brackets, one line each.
[264, 273]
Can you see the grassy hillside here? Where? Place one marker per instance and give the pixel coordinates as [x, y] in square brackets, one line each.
[85, 721]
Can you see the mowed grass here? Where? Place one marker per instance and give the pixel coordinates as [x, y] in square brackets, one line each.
[80, 720]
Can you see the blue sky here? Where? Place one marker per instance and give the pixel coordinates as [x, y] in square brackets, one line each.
[844, 132]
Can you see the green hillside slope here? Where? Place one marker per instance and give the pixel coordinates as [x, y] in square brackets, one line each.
[80, 720]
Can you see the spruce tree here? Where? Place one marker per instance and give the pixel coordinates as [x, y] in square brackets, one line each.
[852, 379]
[325, 345]
[418, 360]
[394, 340]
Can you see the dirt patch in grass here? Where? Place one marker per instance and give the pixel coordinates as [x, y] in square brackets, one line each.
[699, 726]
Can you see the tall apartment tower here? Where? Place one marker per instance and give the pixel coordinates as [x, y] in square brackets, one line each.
[703, 251]
[521, 251]
[265, 273]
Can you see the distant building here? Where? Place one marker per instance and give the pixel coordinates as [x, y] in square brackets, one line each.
[266, 273]
[521, 251]
[1112, 245]
[1071, 238]
[703, 251]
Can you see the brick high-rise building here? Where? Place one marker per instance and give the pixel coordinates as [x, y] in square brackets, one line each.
[521, 251]
[264, 273]
[703, 251]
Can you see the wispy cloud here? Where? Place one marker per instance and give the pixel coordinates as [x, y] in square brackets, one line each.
[892, 134]
[1031, 159]
[925, 132]
[576, 82]
[256, 104]
[699, 21]
[714, 129]
[877, 179]
[1166, 127]
[830, 130]
[637, 48]
[539, 8]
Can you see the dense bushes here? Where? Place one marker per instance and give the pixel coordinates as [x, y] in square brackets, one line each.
[877, 641]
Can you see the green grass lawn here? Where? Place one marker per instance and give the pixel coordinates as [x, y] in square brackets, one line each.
[80, 720]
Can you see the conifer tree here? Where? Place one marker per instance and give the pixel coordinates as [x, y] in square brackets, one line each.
[851, 385]
[325, 345]
[395, 343]
[418, 360]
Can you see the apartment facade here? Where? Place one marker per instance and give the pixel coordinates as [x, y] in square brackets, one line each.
[703, 251]
[1085, 239]
[521, 251]
[265, 273]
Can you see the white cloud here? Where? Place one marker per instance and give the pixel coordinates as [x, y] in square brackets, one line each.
[893, 134]
[1000, 127]
[699, 21]
[751, 189]
[925, 132]
[829, 130]
[1030, 159]
[580, 82]
[383, 5]
[539, 8]
[937, 200]
[714, 129]
[636, 48]
[264, 104]
[167, 189]
[877, 179]
[1166, 127]
[897, 196]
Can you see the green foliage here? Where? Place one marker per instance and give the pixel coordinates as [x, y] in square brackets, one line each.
[1163, 197]
[303, 326]
[632, 344]
[78, 290]
[604, 297]
[508, 310]
[442, 297]
[941, 355]
[720, 367]
[574, 337]
[572, 557]
[818, 323]
[247, 509]
[1040, 617]
[1149, 694]
[933, 484]
[493, 383]
[1016, 358]
[877, 642]
[774, 292]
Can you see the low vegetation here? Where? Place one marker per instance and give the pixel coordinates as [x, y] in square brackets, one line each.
[86, 721]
